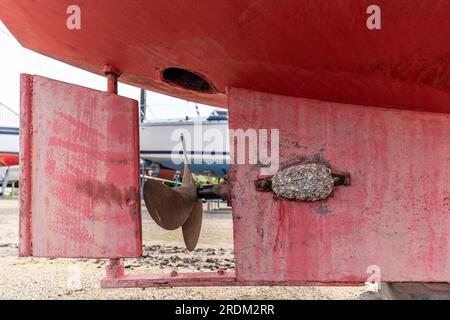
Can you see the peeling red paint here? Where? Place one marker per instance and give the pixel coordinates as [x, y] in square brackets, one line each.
[315, 49]
[79, 172]
[394, 213]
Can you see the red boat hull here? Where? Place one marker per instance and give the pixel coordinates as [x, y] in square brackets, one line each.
[317, 49]
[7, 159]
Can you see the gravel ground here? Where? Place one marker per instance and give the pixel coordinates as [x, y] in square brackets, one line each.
[32, 278]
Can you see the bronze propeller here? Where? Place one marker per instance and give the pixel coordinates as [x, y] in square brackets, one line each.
[172, 208]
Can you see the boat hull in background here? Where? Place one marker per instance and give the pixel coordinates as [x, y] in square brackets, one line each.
[9, 146]
[207, 145]
[7, 159]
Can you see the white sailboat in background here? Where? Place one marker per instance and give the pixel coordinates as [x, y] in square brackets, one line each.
[206, 143]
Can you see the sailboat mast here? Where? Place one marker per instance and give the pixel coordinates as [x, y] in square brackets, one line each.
[143, 105]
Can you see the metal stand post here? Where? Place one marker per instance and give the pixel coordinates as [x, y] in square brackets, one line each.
[5, 182]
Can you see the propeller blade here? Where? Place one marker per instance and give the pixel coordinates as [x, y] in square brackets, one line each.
[172, 208]
[192, 226]
[169, 207]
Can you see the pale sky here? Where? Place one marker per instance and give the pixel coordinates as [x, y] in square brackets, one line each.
[14, 60]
